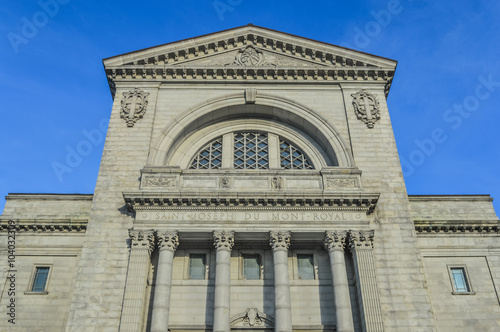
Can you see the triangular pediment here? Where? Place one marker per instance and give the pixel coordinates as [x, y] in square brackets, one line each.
[279, 48]
[249, 52]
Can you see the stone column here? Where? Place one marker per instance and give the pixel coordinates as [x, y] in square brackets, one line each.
[142, 244]
[223, 242]
[335, 244]
[280, 241]
[167, 244]
[361, 246]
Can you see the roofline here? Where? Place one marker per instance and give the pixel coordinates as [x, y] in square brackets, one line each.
[42, 196]
[467, 197]
[251, 25]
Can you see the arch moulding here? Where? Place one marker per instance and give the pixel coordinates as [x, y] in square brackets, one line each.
[233, 106]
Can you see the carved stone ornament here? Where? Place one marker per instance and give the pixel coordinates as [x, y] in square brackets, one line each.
[225, 182]
[159, 182]
[366, 107]
[361, 239]
[277, 183]
[249, 57]
[335, 240]
[168, 240]
[224, 240]
[142, 239]
[133, 106]
[252, 317]
[279, 240]
[341, 183]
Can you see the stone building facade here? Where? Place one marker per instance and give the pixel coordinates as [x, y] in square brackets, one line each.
[250, 181]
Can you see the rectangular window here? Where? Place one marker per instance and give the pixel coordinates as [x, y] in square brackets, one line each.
[197, 266]
[460, 282]
[305, 266]
[251, 266]
[40, 279]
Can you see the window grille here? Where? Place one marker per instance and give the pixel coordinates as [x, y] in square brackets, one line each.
[293, 158]
[209, 157]
[251, 151]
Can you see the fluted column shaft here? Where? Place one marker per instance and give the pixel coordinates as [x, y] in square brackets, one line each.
[142, 244]
[167, 244]
[361, 246]
[280, 242]
[335, 244]
[223, 242]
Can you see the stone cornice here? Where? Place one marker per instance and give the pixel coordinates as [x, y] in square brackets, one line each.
[306, 60]
[456, 227]
[44, 225]
[143, 201]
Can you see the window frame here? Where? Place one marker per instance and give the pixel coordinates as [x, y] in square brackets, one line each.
[296, 264]
[45, 291]
[258, 253]
[187, 255]
[463, 267]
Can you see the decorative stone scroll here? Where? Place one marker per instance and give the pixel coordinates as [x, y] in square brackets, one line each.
[224, 240]
[142, 238]
[133, 106]
[279, 240]
[366, 107]
[159, 182]
[341, 183]
[335, 240]
[168, 240]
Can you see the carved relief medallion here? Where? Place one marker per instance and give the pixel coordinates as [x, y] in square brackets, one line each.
[225, 182]
[277, 183]
[366, 107]
[252, 317]
[133, 106]
[249, 57]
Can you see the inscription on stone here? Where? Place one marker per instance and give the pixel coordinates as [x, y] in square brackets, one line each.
[251, 216]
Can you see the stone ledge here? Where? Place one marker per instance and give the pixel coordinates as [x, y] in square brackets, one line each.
[43, 225]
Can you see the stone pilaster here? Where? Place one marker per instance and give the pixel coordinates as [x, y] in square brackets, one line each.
[335, 244]
[280, 242]
[167, 245]
[361, 246]
[223, 242]
[142, 244]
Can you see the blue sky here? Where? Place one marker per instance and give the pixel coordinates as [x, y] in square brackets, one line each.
[444, 101]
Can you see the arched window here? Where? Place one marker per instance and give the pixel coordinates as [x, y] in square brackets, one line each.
[210, 156]
[251, 150]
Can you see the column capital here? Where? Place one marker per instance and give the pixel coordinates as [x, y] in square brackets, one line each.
[335, 240]
[279, 240]
[142, 239]
[167, 240]
[361, 239]
[224, 240]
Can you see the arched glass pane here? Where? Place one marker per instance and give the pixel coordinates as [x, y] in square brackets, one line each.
[209, 157]
[293, 158]
[251, 151]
